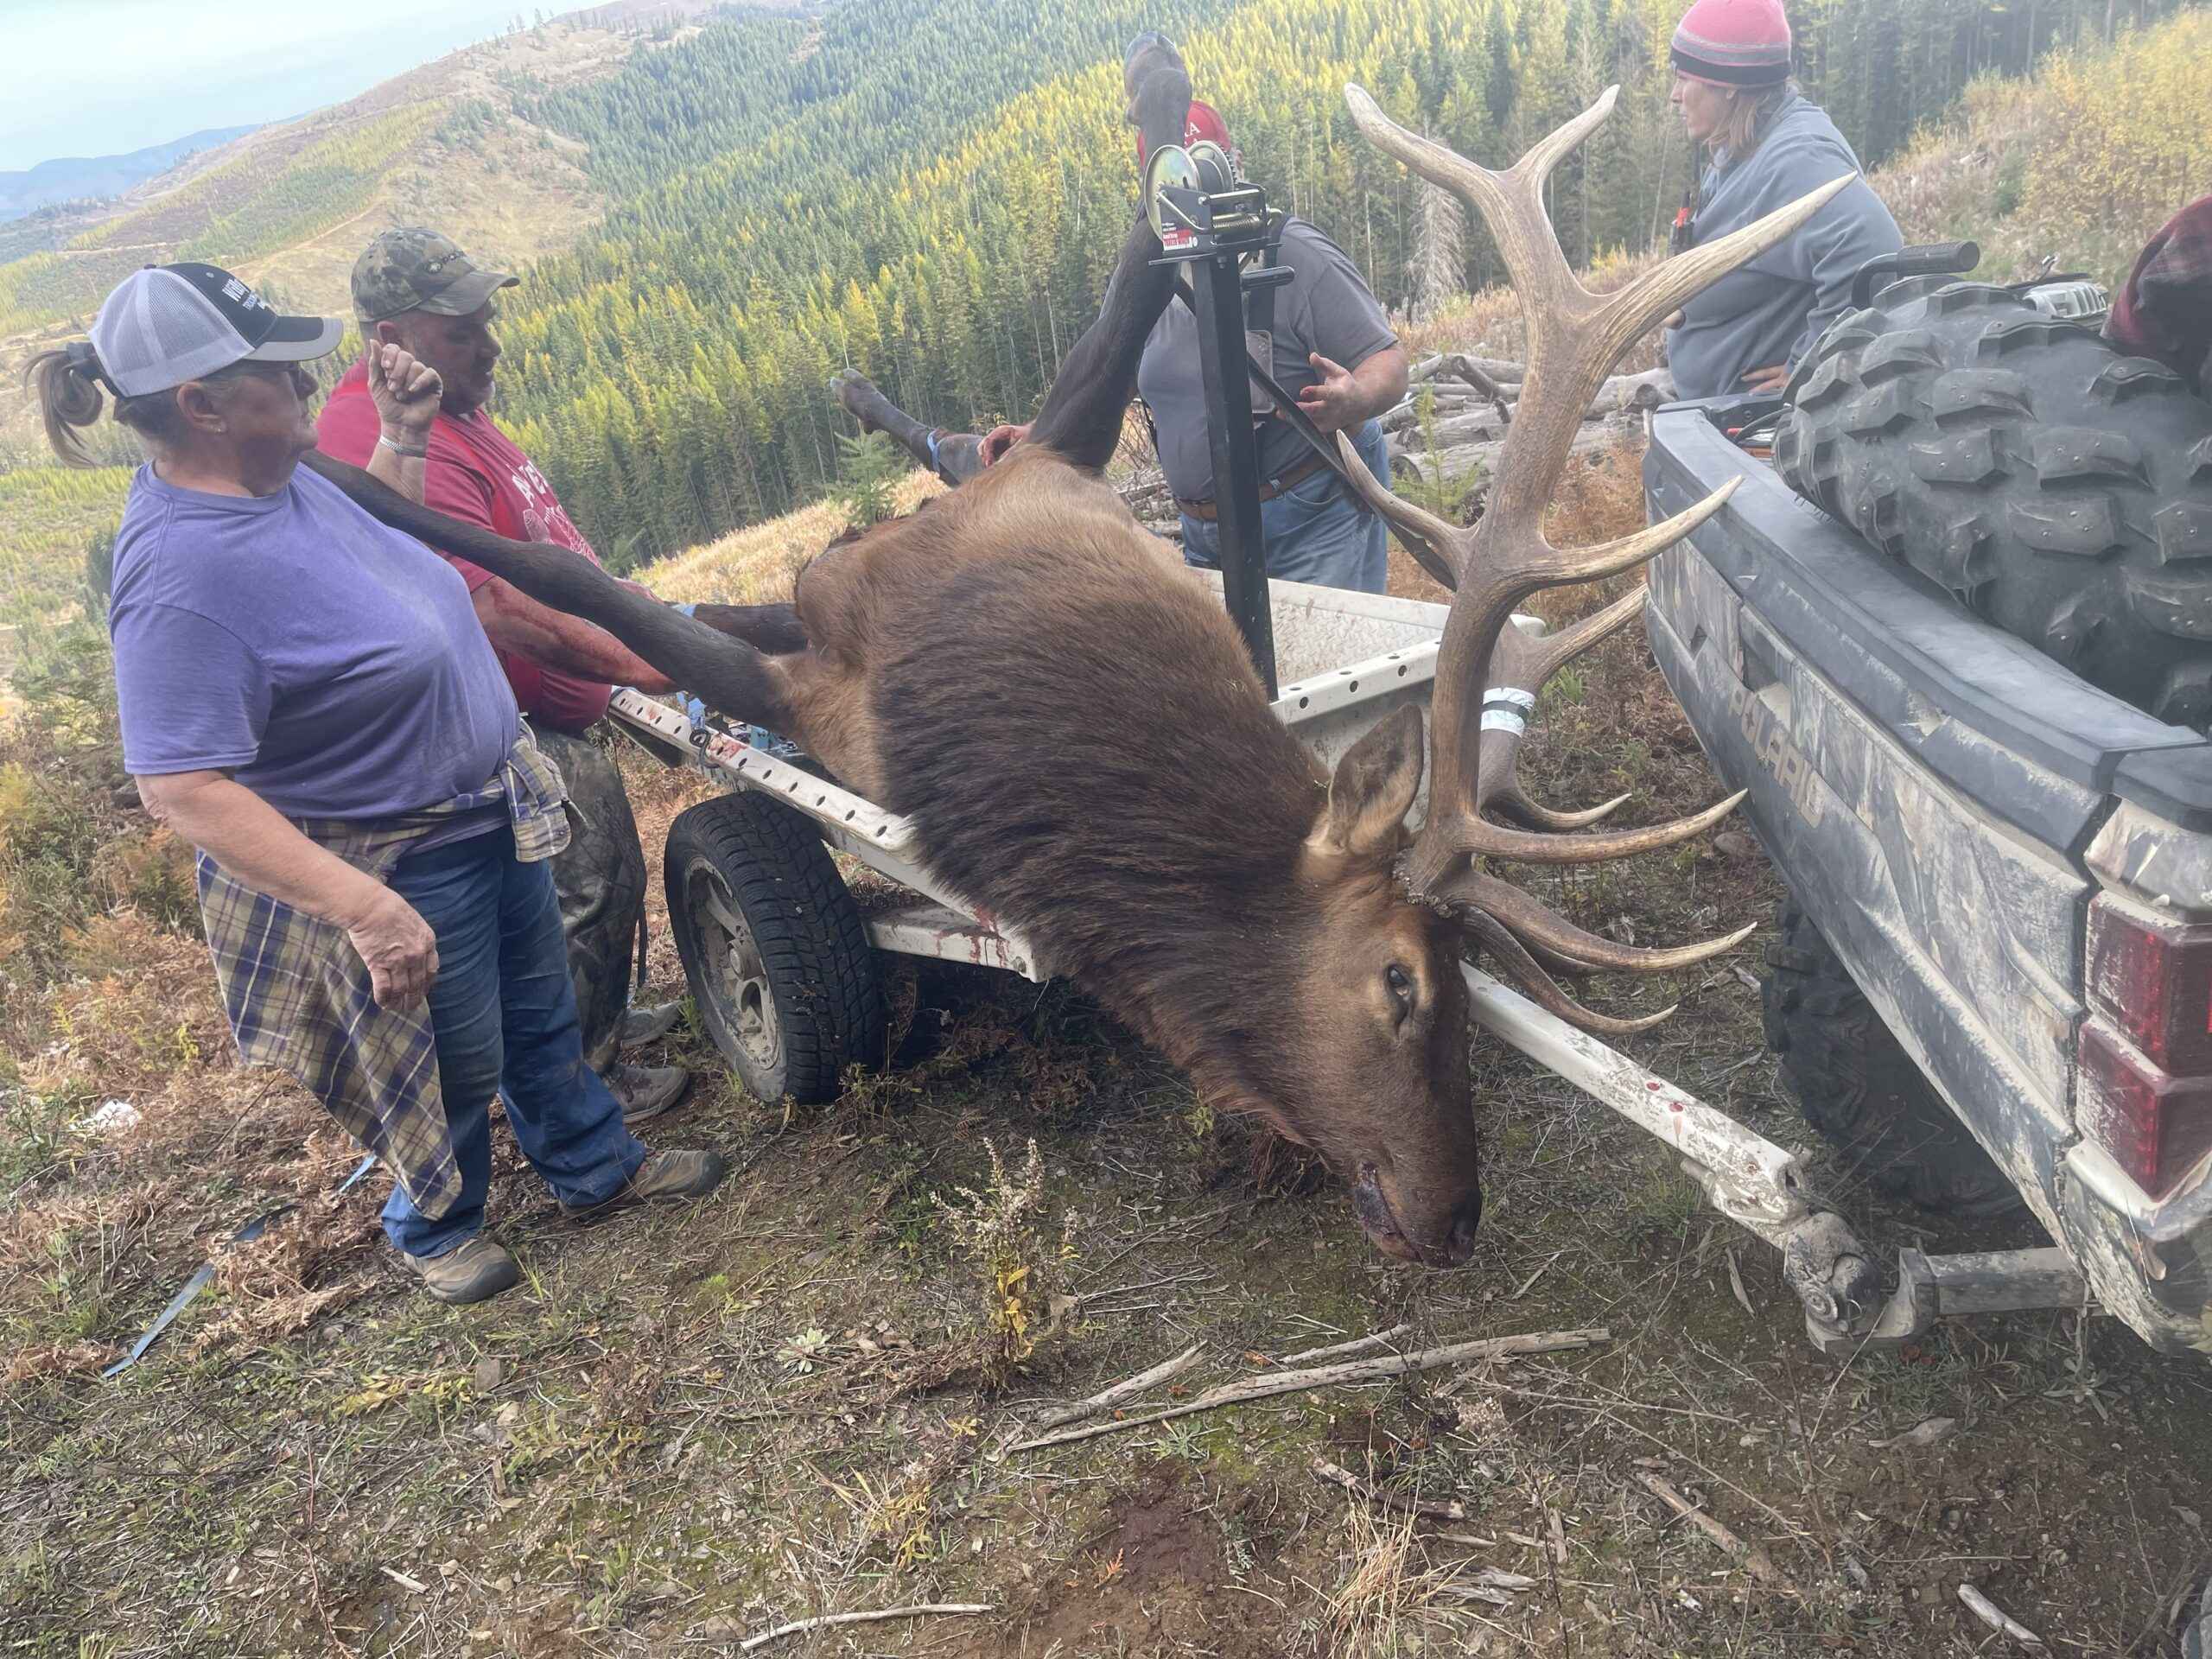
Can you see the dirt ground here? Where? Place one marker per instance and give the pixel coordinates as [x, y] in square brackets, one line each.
[687, 1428]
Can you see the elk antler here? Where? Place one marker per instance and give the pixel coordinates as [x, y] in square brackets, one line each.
[1575, 338]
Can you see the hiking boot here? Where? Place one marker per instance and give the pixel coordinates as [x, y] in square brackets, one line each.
[2196, 1636]
[475, 1270]
[645, 1090]
[668, 1174]
[641, 1025]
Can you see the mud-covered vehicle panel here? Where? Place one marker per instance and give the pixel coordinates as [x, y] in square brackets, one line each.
[1950, 807]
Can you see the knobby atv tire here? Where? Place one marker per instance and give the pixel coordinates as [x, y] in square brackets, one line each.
[2059, 489]
[792, 996]
[1860, 1090]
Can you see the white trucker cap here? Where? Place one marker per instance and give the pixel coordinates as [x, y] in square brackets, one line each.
[169, 324]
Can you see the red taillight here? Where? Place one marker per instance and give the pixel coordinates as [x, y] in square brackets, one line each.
[2153, 979]
[2154, 1124]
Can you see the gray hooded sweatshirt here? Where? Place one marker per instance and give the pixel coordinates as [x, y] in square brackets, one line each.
[1773, 309]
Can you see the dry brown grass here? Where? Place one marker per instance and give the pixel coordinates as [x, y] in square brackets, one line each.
[1490, 323]
[757, 565]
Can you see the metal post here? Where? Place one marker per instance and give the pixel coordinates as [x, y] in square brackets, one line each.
[1235, 450]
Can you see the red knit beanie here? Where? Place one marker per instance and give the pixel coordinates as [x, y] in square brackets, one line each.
[1734, 43]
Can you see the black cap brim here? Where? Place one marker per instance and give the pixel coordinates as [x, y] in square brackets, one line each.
[298, 339]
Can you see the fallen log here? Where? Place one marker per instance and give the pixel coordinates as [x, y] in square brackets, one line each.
[1621, 392]
[1457, 364]
[1462, 424]
[1459, 460]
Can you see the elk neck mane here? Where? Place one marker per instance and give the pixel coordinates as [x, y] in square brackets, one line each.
[1126, 800]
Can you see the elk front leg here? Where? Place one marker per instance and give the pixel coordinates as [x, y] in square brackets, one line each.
[772, 628]
[956, 457]
[1082, 416]
[725, 671]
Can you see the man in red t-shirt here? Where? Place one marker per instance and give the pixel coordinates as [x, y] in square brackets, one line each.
[415, 290]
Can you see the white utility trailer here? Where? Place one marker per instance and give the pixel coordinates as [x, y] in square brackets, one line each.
[780, 957]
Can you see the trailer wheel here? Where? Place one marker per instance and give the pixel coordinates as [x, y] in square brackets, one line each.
[1861, 1091]
[778, 958]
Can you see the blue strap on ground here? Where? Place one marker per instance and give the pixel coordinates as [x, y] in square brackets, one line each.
[201, 1280]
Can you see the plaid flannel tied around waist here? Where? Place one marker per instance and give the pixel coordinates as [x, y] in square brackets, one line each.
[298, 993]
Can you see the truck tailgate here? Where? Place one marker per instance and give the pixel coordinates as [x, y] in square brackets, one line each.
[1926, 782]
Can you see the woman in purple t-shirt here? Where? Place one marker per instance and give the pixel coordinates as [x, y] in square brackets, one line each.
[307, 696]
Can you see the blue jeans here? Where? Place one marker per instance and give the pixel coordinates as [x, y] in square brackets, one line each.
[1315, 531]
[504, 1013]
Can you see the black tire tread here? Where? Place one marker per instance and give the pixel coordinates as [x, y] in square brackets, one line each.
[2057, 488]
[1860, 1090]
[821, 967]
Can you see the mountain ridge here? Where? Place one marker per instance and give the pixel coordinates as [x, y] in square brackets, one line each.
[76, 178]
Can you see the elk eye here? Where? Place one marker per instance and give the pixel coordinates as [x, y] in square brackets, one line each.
[1402, 988]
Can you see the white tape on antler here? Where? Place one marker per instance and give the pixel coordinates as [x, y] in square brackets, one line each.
[1507, 709]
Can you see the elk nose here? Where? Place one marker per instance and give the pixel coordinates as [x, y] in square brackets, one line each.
[1459, 1243]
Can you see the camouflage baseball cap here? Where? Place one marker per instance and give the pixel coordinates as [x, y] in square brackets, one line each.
[414, 270]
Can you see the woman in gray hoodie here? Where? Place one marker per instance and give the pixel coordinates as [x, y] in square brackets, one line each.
[1770, 145]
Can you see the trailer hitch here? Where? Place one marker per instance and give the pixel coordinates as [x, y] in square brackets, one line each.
[1761, 1187]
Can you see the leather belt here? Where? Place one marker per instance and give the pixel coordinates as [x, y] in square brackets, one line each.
[1207, 512]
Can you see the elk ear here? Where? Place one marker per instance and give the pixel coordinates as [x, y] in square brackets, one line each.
[1373, 789]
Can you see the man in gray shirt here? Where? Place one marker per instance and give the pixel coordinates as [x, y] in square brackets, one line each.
[1333, 351]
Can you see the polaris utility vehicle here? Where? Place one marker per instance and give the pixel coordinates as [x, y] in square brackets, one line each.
[1955, 637]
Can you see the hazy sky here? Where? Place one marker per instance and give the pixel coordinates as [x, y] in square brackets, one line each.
[99, 76]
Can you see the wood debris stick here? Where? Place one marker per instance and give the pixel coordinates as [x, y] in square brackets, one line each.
[800, 1626]
[1499, 1579]
[1998, 1619]
[1380, 1338]
[1325, 1377]
[1492, 1585]
[1756, 1560]
[1122, 1391]
[1736, 1283]
[1455, 1510]
[1483, 1593]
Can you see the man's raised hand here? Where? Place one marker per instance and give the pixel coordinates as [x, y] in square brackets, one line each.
[406, 393]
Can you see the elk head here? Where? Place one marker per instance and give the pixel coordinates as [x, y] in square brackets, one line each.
[1487, 676]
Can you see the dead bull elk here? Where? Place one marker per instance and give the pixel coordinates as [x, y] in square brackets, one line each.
[1076, 732]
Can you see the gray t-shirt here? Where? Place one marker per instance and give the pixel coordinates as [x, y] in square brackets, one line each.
[1325, 309]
